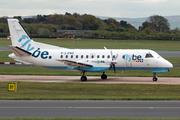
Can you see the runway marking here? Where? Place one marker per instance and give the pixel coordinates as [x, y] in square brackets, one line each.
[90, 107]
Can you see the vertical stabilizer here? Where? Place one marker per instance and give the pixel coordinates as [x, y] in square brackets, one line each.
[19, 37]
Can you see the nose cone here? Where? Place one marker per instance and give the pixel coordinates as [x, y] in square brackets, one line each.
[164, 63]
[168, 64]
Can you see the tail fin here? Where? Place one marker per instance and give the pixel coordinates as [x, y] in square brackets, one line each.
[19, 37]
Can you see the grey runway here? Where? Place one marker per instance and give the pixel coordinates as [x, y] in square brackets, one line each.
[89, 109]
[91, 79]
[169, 53]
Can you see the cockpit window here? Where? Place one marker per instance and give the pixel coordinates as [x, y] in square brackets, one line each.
[148, 55]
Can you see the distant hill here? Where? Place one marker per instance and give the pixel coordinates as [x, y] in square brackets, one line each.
[136, 22]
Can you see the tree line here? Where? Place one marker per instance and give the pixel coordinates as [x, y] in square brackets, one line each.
[155, 27]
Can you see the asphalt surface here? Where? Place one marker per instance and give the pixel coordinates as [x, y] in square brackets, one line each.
[169, 53]
[89, 109]
[90, 79]
[4, 48]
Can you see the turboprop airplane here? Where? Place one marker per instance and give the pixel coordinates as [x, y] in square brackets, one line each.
[27, 51]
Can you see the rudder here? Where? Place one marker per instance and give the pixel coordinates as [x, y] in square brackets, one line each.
[18, 35]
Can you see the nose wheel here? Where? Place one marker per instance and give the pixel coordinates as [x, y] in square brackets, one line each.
[154, 78]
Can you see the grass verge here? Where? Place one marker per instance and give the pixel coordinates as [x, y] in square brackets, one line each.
[110, 44]
[84, 91]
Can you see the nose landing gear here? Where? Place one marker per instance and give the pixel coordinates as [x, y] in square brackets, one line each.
[154, 78]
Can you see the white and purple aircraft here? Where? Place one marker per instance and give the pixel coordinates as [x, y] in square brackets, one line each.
[27, 51]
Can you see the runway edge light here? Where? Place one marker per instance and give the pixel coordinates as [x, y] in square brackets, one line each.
[12, 87]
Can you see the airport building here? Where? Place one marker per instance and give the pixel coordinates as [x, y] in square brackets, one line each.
[72, 32]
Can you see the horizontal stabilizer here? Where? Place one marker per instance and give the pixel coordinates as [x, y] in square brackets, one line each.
[23, 62]
[18, 51]
[75, 64]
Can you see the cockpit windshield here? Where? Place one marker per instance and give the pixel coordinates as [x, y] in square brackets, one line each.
[152, 54]
[148, 55]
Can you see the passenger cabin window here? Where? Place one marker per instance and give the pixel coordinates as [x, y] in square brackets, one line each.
[148, 55]
[76, 56]
[108, 56]
[86, 56]
[103, 56]
[123, 56]
[92, 56]
[61, 56]
[81, 56]
[71, 56]
[113, 56]
[97, 56]
[66, 56]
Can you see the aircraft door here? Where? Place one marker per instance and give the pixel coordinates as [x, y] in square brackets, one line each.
[128, 59]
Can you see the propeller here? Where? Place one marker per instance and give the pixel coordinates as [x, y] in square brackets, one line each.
[113, 62]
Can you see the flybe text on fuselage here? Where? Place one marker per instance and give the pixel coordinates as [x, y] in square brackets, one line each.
[133, 58]
[42, 54]
[26, 43]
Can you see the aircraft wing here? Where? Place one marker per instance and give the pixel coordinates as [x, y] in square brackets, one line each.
[18, 51]
[75, 64]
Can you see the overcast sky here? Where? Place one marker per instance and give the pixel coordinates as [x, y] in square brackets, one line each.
[110, 8]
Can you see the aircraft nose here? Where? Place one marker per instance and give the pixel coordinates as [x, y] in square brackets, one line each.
[165, 63]
[168, 64]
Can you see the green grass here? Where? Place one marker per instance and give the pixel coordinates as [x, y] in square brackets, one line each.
[173, 59]
[4, 56]
[114, 44]
[110, 44]
[89, 91]
[5, 42]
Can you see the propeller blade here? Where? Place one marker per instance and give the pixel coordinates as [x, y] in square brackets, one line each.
[111, 55]
[116, 56]
[110, 66]
[113, 62]
[114, 68]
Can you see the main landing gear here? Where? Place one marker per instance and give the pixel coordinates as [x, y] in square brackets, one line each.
[103, 76]
[154, 78]
[84, 78]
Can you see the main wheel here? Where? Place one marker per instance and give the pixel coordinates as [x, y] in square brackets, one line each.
[103, 76]
[83, 78]
[154, 79]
